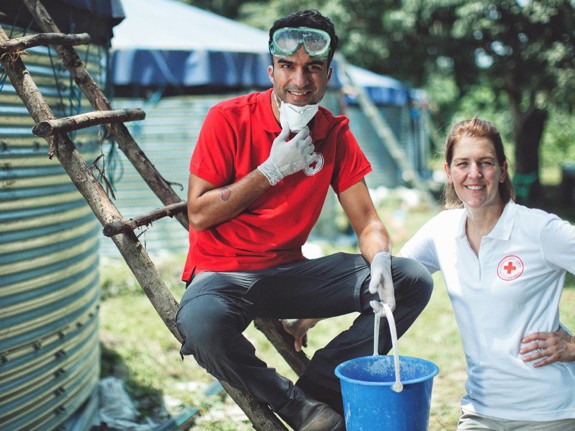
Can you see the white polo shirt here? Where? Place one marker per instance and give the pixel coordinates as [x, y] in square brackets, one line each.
[510, 290]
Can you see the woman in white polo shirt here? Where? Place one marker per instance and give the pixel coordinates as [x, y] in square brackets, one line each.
[504, 267]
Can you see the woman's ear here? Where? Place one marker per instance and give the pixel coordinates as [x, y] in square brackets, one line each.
[504, 170]
[447, 172]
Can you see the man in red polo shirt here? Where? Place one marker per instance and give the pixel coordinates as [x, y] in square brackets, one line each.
[259, 176]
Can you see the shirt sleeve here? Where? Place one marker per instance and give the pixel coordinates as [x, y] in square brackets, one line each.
[557, 240]
[421, 247]
[213, 156]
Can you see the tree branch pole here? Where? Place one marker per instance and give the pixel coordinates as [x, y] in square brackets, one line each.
[122, 226]
[100, 102]
[43, 39]
[259, 414]
[81, 121]
[283, 343]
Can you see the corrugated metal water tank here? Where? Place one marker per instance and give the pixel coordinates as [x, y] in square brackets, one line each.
[49, 261]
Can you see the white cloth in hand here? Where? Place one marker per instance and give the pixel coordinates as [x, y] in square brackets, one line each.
[381, 280]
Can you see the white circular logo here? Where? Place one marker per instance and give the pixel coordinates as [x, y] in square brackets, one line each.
[314, 166]
[510, 268]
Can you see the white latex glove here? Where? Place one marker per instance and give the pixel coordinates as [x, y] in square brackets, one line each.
[288, 157]
[381, 281]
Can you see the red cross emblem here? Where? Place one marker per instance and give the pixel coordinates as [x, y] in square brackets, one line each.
[314, 166]
[510, 268]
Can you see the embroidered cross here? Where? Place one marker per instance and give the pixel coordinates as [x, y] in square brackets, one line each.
[509, 268]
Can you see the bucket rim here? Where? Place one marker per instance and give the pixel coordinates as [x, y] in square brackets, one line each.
[429, 376]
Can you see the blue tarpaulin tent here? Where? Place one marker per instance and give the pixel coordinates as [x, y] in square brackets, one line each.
[95, 17]
[166, 43]
[381, 89]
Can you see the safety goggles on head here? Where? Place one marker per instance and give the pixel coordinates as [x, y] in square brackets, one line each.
[286, 41]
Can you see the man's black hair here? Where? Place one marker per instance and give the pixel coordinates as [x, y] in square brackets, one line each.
[308, 18]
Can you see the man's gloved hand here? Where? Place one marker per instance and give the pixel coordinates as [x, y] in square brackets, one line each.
[288, 157]
[381, 281]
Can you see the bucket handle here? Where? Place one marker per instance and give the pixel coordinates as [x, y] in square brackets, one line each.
[379, 309]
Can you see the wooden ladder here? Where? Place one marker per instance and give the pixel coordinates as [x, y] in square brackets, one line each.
[115, 226]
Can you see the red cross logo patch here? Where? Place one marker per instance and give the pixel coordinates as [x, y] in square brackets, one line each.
[510, 268]
[315, 166]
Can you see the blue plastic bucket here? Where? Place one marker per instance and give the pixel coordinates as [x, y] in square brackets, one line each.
[370, 404]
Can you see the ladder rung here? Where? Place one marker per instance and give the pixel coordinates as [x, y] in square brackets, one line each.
[283, 343]
[81, 121]
[21, 43]
[126, 225]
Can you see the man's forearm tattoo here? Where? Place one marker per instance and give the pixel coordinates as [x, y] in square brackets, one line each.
[225, 193]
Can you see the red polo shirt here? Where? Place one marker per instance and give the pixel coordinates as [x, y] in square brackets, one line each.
[235, 139]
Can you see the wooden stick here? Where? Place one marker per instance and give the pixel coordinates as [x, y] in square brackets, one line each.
[259, 414]
[22, 43]
[81, 121]
[122, 226]
[283, 343]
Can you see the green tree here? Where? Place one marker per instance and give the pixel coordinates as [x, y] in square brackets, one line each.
[522, 51]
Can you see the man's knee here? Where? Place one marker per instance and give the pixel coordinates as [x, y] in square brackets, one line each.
[199, 326]
[412, 278]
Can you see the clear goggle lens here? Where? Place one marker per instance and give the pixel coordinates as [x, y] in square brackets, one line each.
[286, 40]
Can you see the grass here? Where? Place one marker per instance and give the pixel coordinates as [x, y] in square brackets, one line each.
[139, 349]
